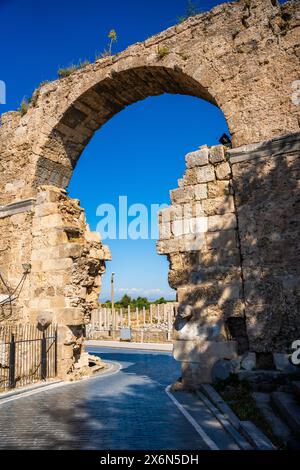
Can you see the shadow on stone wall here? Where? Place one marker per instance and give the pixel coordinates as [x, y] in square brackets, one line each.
[267, 199]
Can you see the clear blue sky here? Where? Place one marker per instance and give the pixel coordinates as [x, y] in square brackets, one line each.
[140, 152]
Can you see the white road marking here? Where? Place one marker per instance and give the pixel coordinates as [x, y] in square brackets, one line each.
[208, 441]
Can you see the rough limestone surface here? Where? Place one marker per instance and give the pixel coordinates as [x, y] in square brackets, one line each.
[200, 239]
[66, 263]
[242, 57]
[234, 256]
[235, 261]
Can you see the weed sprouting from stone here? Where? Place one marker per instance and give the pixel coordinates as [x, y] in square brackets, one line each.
[162, 52]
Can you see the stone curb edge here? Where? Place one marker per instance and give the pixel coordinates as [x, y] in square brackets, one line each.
[114, 368]
[249, 430]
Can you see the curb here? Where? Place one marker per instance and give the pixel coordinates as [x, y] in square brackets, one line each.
[247, 429]
[163, 347]
[229, 428]
[28, 388]
[114, 368]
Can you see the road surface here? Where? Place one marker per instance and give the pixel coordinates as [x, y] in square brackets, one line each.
[127, 410]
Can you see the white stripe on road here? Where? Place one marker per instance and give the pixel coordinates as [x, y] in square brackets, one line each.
[50, 387]
[208, 441]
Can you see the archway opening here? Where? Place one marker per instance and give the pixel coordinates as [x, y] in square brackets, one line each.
[95, 106]
[139, 156]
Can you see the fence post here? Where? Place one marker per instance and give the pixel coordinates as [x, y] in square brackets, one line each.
[12, 362]
[165, 313]
[55, 351]
[129, 317]
[170, 326]
[43, 357]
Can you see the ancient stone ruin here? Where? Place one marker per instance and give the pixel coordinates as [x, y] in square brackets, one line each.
[236, 267]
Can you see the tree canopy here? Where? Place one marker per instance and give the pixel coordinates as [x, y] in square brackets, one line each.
[139, 302]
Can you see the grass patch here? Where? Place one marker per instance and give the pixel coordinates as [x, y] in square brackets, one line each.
[24, 106]
[67, 71]
[238, 394]
[162, 52]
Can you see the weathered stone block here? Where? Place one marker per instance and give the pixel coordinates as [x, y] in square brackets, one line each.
[222, 257]
[165, 214]
[222, 240]
[50, 221]
[216, 154]
[48, 208]
[223, 368]
[283, 364]
[222, 222]
[181, 195]
[69, 316]
[223, 171]
[248, 361]
[199, 192]
[181, 227]
[167, 246]
[105, 253]
[205, 174]
[198, 175]
[165, 230]
[92, 237]
[41, 254]
[57, 264]
[218, 189]
[192, 242]
[198, 158]
[218, 273]
[197, 351]
[220, 205]
[71, 250]
[189, 226]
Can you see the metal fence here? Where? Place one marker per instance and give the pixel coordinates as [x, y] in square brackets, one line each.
[27, 355]
[145, 324]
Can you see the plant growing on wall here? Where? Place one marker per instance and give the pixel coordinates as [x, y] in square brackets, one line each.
[112, 35]
[162, 52]
[191, 10]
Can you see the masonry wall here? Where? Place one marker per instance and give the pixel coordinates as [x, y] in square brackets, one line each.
[232, 239]
[266, 181]
[65, 261]
[237, 275]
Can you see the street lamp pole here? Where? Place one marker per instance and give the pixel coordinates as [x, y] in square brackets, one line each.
[112, 284]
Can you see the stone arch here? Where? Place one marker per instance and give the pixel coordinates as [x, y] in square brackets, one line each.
[94, 107]
[241, 56]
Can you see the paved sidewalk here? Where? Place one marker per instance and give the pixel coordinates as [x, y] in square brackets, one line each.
[130, 345]
[128, 410]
